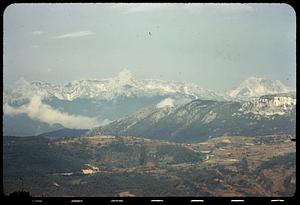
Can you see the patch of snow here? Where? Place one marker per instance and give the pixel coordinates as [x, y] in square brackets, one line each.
[209, 117]
[277, 105]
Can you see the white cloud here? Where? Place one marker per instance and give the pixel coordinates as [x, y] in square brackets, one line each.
[36, 110]
[218, 7]
[75, 34]
[168, 102]
[8, 110]
[37, 32]
[141, 7]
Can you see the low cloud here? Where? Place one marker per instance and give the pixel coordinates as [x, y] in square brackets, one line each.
[75, 34]
[36, 110]
[168, 102]
[8, 110]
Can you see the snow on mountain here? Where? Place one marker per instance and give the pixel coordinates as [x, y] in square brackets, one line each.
[114, 98]
[269, 105]
[124, 84]
[255, 87]
[200, 119]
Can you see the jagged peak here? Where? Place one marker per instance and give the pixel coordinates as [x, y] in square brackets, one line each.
[255, 87]
[125, 74]
[22, 82]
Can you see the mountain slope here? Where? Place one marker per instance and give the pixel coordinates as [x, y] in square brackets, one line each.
[200, 119]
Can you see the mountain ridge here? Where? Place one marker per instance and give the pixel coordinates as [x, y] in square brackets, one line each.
[201, 119]
[109, 99]
[125, 84]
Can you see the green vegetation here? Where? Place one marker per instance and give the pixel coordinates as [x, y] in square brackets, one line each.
[287, 160]
[179, 154]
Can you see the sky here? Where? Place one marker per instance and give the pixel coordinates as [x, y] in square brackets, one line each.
[213, 45]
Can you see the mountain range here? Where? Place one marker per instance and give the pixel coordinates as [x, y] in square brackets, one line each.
[97, 102]
[126, 85]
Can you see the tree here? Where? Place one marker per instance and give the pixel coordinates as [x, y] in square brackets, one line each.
[243, 166]
[142, 155]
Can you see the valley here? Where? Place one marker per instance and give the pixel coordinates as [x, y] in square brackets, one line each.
[133, 166]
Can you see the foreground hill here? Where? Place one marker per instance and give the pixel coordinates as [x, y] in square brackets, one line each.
[64, 133]
[131, 166]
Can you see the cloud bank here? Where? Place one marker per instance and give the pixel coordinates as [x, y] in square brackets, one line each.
[168, 102]
[36, 110]
[75, 34]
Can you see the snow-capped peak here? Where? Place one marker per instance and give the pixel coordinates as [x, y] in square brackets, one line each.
[125, 76]
[123, 84]
[255, 87]
[22, 82]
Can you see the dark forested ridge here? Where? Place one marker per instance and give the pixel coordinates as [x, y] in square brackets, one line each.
[200, 119]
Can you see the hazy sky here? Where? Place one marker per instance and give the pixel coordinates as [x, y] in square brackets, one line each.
[213, 45]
